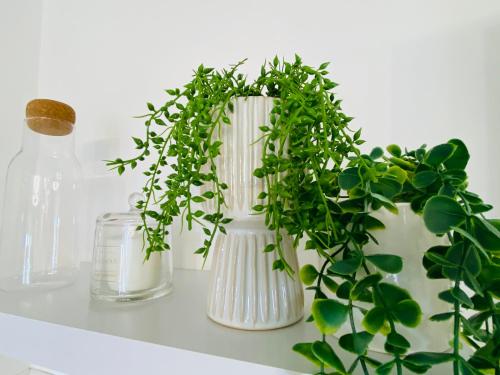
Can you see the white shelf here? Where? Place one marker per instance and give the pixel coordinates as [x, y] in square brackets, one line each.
[67, 331]
[83, 336]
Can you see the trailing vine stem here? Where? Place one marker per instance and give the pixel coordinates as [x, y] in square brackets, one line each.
[320, 187]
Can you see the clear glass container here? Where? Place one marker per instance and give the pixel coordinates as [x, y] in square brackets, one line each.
[119, 269]
[41, 212]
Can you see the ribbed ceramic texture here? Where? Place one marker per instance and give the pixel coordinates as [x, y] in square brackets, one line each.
[244, 291]
[240, 155]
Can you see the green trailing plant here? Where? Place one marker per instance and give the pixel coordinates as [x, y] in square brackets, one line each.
[437, 187]
[435, 183]
[351, 280]
[321, 188]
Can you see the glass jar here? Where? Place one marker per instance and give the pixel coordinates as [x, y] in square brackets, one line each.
[41, 212]
[120, 271]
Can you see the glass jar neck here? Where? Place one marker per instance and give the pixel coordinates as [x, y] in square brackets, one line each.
[47, 144]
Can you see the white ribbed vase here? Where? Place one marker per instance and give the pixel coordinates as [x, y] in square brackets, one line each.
[405, 235]
[244, 292]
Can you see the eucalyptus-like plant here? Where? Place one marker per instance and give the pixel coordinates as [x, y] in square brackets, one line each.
[471, 261]
[349, 279]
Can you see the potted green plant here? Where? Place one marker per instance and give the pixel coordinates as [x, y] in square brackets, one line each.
[317, 185]
[198, 135]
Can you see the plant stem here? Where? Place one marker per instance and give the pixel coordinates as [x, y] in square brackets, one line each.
[354, 332]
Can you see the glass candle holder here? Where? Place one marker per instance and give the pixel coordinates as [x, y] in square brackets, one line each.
[119, 269]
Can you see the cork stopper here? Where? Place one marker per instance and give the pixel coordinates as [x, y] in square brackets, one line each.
[50, 117]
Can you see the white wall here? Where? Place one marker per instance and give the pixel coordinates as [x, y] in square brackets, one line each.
[411, 72]
[20, 26]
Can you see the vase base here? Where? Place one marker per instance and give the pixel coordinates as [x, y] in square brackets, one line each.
[256, 327]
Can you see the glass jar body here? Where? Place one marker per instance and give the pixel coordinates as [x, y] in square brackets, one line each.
[120, 272]
[41, 214]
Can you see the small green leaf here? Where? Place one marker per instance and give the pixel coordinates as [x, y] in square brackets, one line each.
[392, 295]
[324, 352]
[278, 265]
[349, 178]
[258, 208]
[364, 283]
[376, 153]
[386, 202]
[386, 368]
[397, 173]
[441, 213]
[344, 290]
[356, 343]
[372, 223]
[471, 238]
[374, 320]
[346, 266]
[269, 247]
[441, 317]
[460, 157]
[428, 358]
[439, 154]
[330, 284]
[408, 313]
[463, 298]
[423, 179]
[387, 187]
[418, 369]
[438, 259]
[308, 274]
[305, 349]
[387, 263]
[397, 340]
[394, 150]
[328, 315]
[121, 169]
[487, 233]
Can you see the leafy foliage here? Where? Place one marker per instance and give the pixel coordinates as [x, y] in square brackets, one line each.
[470, 261]
[320, 187]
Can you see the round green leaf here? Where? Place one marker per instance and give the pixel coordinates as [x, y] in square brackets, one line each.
[386, 262]
[344, 290]
[372, 223]
[364, 283]
[349, 178]
[439, 154]
[356, 343]
[330, 284]
[486, 232]
[423, 179]
[387, 186]
[328, 315]
[376, 153]
[460, 157]
[454, 255]
[397, 340]
[392, 295]
[374, 320]
[408, 313]
[398, 173]
[324, 352]
[386, 368]
[441, 213]
[305, 349]
[346, 266]
[308, 274]
[394, 150]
